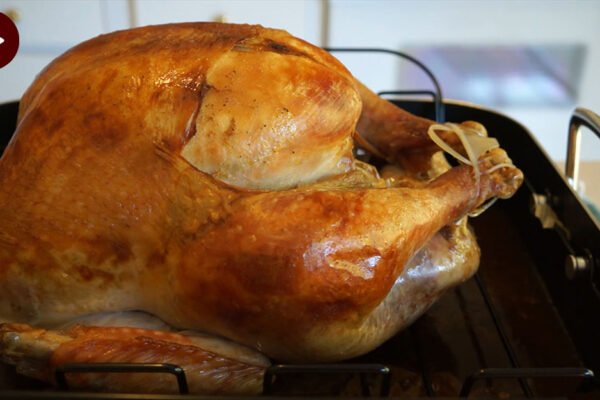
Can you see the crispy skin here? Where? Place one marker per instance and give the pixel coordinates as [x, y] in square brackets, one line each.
[202, 173]
[37, 352]
[269, 270]
[253, 107]
[216, 366]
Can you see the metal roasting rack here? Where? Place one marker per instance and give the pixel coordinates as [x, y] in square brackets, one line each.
[567, 310]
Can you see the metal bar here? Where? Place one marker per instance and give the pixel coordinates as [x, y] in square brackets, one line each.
[470, 327]
[403, 92]
[176, 370]
[503, 337]
[587, 118]
[437, 108]
[364, 386]
[439, 105]
[424, 371]
[523, 373]
[283, 369]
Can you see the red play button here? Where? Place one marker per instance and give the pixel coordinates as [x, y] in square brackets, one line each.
[9, 40]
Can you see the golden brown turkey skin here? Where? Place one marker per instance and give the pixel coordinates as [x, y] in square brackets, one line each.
[203, 173]
[265, 269]
[215, 366]
[37, 353]
[253, 107]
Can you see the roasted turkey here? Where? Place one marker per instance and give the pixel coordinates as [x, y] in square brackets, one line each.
[188, 194]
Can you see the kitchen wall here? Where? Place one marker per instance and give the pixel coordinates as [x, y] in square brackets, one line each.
[48, 27]
[406, 24]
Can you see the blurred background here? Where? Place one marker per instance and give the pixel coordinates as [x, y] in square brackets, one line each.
[532, 60]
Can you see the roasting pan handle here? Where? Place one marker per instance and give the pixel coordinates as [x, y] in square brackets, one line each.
[589, 119]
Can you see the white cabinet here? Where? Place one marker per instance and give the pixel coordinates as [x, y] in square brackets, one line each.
[49, 27]
[301, 18]
[54, 25]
